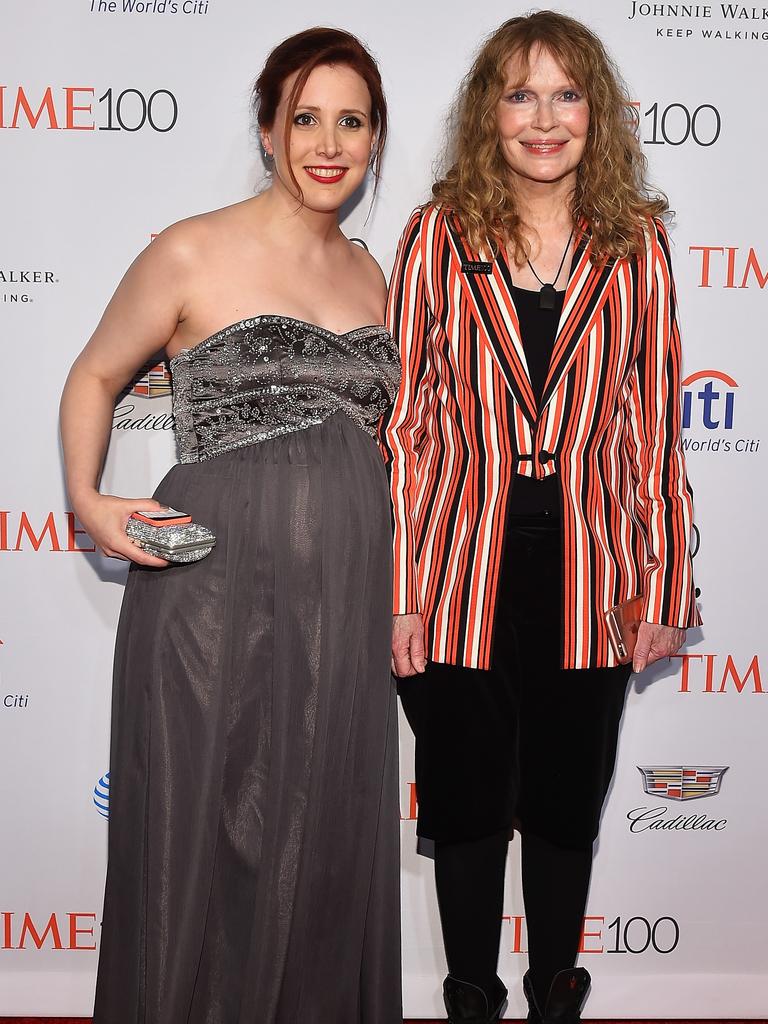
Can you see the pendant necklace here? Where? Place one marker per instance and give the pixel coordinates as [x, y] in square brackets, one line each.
[547, 293]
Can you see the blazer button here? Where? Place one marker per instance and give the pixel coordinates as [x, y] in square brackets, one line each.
[546, 456]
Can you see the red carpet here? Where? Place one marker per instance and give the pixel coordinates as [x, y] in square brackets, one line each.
[84, 1020]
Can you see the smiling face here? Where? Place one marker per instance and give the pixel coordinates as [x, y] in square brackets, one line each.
[542, 121]
[331, 138]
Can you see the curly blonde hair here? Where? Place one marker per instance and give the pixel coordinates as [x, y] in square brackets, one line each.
[611, 196]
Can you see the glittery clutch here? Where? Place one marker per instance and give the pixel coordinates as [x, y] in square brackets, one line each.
[188, 542]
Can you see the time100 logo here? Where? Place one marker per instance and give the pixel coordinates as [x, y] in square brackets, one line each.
[130, 110]
[73, 108]
[675, 124]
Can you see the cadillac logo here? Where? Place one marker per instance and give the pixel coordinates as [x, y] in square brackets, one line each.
[154, 381]
[676, 782]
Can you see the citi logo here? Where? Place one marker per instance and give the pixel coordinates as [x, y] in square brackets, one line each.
[150, 6]
[708, 400]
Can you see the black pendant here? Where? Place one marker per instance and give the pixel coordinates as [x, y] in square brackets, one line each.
[547, 296]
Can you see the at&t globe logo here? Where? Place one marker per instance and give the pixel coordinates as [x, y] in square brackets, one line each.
[101, 796]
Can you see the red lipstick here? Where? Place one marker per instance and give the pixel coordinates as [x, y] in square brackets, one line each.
[323, 173]
[543, 148]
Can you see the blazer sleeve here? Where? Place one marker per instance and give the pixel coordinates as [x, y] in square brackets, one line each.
[402, 429]
[663, 494]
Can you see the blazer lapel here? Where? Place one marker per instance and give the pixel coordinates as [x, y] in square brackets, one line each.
[488, 292]
[490, 297]
[587, 286]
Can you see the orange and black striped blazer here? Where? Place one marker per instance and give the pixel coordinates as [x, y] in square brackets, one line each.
[465, 423]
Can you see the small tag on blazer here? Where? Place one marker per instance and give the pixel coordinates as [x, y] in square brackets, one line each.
[476, 267]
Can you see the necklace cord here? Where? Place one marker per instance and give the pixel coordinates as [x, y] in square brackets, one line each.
[562, 261]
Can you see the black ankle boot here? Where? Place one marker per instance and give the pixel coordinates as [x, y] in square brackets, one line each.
[468, 1004]
[565, 1000]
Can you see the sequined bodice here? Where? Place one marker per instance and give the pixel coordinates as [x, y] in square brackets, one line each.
[270, 375]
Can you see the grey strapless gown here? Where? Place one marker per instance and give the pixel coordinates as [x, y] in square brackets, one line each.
[253, 839]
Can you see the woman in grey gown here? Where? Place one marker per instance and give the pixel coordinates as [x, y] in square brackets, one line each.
[253, 844]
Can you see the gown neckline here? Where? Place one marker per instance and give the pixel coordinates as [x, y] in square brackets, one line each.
[259, 317]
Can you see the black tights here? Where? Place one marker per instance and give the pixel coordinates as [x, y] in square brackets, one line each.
[469, 877]
[555, 887]
[493, 746]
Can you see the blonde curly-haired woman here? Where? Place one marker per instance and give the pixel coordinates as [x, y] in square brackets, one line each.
[537, 481]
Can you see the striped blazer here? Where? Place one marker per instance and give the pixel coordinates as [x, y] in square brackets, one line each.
[465, 423]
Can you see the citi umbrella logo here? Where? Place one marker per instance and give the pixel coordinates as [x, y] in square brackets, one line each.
[709, 397]
[711, 403]
[682, 783]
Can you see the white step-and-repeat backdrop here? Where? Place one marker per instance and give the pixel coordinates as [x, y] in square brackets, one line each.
[118, 117]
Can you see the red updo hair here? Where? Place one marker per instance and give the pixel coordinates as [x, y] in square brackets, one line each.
[302, 53]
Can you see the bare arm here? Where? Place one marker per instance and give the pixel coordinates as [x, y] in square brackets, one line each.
[139, 321]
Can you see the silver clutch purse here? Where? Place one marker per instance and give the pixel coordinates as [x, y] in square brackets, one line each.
[188, 542]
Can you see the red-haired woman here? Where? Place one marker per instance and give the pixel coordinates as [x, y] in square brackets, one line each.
[253, 845]
[537, 481]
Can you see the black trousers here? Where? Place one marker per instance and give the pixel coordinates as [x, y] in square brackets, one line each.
[526, 744]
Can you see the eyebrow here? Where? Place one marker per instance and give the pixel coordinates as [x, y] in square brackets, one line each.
[524, 86]
[349, 110]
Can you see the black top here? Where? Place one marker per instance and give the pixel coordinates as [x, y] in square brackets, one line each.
[538, 330]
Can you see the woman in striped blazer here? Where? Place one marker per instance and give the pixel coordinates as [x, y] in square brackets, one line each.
[537, 481]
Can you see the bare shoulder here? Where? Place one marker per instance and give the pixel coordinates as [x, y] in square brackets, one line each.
[368, 269]
[166, 273]
[186, 243]
[196, 240]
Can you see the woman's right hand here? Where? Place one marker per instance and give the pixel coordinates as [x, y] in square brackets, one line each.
[408, 657]
[105, 517]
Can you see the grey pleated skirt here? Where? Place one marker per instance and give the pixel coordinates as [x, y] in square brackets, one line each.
[253, 837]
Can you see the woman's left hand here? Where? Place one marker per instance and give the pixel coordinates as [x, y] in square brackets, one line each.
[655, 642]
